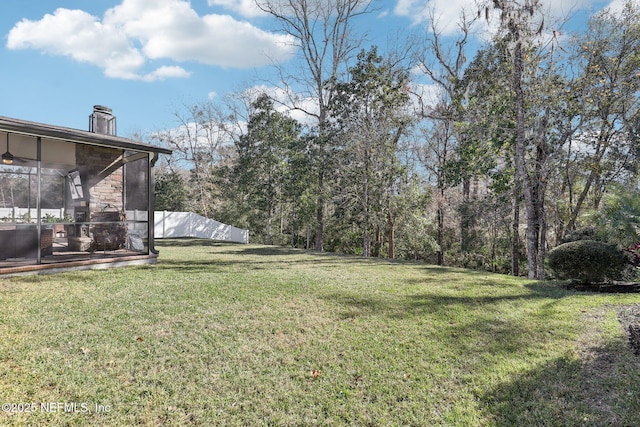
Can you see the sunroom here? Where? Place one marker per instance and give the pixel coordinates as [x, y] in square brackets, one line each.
[73, 199]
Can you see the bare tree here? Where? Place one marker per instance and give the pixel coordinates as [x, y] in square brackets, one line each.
[444, 64]
[198, 143]
[322, 30]
[608, 55]
[517, 20]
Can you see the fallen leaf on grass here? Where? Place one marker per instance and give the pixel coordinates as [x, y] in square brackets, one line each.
[315, 373]
[140, 339]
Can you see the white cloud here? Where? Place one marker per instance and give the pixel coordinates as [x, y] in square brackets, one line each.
[297, 106]
[135, 31]
[81, 36]
[616, 6]
[166, 72]
[246, 8]
[404, 7]
[447, 12]
[424, 97]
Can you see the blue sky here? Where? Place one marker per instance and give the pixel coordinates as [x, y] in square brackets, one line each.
[147, 59]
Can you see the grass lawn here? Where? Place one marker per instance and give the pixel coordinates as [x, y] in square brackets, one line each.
[245, 335]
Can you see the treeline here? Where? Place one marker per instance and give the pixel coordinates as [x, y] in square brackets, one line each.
[525, 143]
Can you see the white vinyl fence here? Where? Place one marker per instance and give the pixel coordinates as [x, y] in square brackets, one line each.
[188, 224]
[167, 224]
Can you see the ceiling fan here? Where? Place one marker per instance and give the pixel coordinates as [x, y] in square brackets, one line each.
[10, 159]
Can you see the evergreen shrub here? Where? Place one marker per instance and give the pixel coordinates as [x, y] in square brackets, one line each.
[588, 261]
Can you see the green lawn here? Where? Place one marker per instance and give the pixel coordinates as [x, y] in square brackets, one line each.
[244, 335]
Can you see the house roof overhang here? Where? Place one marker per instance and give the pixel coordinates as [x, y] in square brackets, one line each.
[74, 135]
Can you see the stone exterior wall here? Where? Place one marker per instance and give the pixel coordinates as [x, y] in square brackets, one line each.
[103, 177]
[102, 173]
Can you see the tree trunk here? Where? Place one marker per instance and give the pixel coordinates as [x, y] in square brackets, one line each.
[571, 225]
[593, 175]
[320, 211]
[542, 250]
[465, 242]
[440, 224]
[539, 211]
[494, 239]
[515, 228]
[269, 217]
[293, 228]
[540, 186]
[378, 242]
[392, 253]
[520, 166]
[269, 230]
[366, 244]
[366, 239]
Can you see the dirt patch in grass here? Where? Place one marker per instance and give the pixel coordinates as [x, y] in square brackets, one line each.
[592, 349]
[629, 316]
[602, 360]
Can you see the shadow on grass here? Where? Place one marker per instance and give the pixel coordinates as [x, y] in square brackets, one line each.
[599, 390]
[266, 250]
[217, 265]
[234, 248]
[435, 302]
[262, 257]
[570, 392]
[467, 323]
[190, 242]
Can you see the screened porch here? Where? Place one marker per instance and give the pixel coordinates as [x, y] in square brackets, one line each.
[73, 198]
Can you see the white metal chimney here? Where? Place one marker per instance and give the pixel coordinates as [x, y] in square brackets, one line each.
[102, 121]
